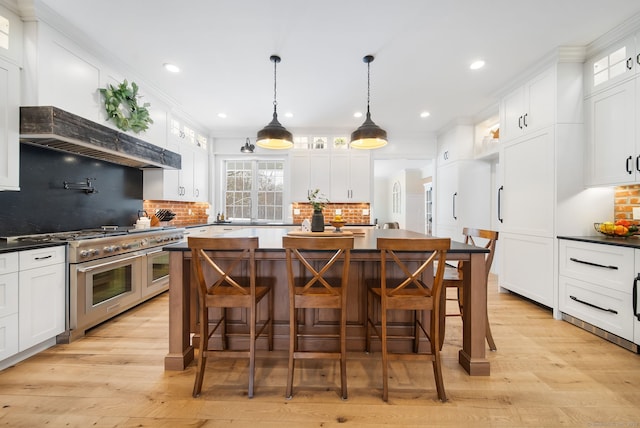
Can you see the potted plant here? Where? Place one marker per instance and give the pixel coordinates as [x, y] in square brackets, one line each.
[318, 202]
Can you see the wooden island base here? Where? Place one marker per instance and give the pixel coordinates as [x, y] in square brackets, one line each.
[365, 263]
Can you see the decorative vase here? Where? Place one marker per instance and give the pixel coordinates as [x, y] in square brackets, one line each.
[317, 221]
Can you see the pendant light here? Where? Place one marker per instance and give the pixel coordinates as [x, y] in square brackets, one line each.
[368, 135]
[274, 135]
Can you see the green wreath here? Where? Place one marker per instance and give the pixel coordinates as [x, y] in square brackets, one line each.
[121, 103]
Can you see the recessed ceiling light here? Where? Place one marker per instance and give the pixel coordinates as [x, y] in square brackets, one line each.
[171, 67]
[222, 115]
[476, 65]
[288, 114]
[425, 114]
[357, 114]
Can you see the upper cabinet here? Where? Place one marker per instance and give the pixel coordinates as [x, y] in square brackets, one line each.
[351, 177]
[324, 163]
[9, 126]
[529, 107]
[11, 29]
[611, 115]
[191, 182]
[613, 64]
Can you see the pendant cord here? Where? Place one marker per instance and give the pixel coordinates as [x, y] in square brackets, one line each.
[275, 103]
[368, 84]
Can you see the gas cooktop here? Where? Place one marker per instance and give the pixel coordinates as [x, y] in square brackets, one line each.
[76, 235]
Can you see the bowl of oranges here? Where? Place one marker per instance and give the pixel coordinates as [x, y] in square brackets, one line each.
[620, 228]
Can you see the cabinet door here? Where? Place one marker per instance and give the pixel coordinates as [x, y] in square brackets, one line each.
[360, 177]
[42, 304]
[320, 173]
[613, 65]
[528, 108]
[8, 294]
[528, 177]
[539, 94]
[611, 136]
[636, 299]
[446, 193]
[340, 174]
[512, 109]
[527, 266]
[200, 176]
[299, 177]
[9, 125]
[9, 342]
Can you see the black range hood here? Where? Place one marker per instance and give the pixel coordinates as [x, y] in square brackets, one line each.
[60, 130]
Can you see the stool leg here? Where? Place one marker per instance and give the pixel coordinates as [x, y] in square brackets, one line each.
[202, 353]
[385, 359]
[292, 348]
[492, 344]
[343, 345]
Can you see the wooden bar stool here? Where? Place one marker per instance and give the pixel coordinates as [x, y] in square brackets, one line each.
[453, 277]
[404, 288]
[316, 281]
[229, 281]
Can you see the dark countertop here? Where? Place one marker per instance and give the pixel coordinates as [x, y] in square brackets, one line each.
[270, 239]
[631, 242]
[261, 223]
[9, 247]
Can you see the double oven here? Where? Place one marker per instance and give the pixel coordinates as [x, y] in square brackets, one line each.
[112, 270]
[111, 274]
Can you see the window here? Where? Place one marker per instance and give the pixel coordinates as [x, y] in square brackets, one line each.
[610, 66]
[4, 32]
[254, 190]
[396, 198]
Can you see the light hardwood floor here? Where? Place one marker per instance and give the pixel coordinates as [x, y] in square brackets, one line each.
[546, 373]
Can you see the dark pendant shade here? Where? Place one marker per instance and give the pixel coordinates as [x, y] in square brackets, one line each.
[368, 135]
[274, 136]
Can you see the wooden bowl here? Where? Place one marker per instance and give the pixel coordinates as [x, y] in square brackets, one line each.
[338, 224]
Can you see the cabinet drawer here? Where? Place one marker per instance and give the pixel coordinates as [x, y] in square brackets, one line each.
[42, 257]
[605, 265]
[8, 294]
[8, 263]
[607, 309]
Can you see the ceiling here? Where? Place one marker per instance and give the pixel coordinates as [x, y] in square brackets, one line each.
[422, 51]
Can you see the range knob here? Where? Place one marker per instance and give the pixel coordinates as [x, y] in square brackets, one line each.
[94, 252]
[108, 249]
[84, 253]
[126, 246]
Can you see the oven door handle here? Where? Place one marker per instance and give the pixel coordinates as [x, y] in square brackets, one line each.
[90, 268]
[154, 252]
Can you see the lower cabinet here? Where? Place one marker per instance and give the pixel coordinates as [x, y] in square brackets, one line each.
[596, 285]
[32, 301]
[8, 305]
[527, 266]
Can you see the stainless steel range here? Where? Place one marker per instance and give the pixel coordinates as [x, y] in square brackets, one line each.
[111, 270]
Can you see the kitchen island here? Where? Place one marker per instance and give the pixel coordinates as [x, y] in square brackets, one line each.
[364, 264]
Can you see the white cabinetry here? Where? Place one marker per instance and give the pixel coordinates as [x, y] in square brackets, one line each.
[540, 186]
[529, 107]
[190, 183]
[41, 295]
[462, 185]
[462, 197]
[613, 147]
[596, 284]
[9, 342]
[9, 126]
[310, 170]
[617, 62]
[351, 177]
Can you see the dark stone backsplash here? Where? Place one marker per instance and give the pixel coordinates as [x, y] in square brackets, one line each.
[43, 205]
